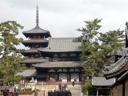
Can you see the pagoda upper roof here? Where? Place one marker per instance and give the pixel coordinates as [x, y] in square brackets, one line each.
[62, 45]
[37, 30]
[60, 64]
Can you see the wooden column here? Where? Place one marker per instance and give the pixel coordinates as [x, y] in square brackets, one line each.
[97, 92]
[68, 75]
[57, 75]
[79, 76]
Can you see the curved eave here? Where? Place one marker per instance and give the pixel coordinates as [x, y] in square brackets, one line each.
[117, 68]
[27, 73]
[30, 51]
[32, 61]
[59, 51]
[34, 41]
[44, 34]
[116, 73]
[59, 65]
[27, 52]
[37, 30]
[30, 42]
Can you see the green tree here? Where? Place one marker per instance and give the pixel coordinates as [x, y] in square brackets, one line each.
[97, 47]
[10, 56]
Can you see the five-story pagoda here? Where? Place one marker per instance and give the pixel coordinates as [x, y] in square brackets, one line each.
[37, 39]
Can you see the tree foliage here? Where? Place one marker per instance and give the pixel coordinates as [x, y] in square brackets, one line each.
[98, 47]
[10, 57]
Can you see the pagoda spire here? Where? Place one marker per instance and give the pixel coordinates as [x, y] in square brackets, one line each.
[37, 15]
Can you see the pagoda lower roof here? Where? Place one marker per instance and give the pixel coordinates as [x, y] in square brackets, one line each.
[60, 64]
[34, 41]
[32, 60]
[30, 51]
[27, 73]
[37, 30]
[62, 45]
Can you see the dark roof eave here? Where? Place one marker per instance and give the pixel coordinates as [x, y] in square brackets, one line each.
[34, 62]
[59, 65]
[60, 51]
[29, 52]
[114, 74]
[56, 67]
[34, 41]
[48, 33]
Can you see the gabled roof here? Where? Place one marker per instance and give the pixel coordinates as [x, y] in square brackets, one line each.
[60, 64]
[62, 45]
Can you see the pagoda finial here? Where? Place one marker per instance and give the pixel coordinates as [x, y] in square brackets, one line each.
[37, 14]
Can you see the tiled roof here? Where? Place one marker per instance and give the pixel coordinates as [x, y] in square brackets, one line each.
[117, 68]
[33, 60]
[34, 41]
[62, 64]
[62, 45]
[36, 30]
[30, 51]
[27, 73]
[102, 81]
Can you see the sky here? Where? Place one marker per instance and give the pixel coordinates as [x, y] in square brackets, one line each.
[63, 17]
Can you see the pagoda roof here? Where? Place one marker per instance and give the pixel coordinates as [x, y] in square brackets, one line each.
[34, 41]
[37, 30]
[30, 51]
[32, 60]
[62, 45]
[27, 73]
[60, 64]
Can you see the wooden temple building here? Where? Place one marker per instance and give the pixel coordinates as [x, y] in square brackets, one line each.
[119, 71]
[51, 58]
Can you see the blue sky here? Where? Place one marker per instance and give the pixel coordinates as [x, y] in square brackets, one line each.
[63, 17]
